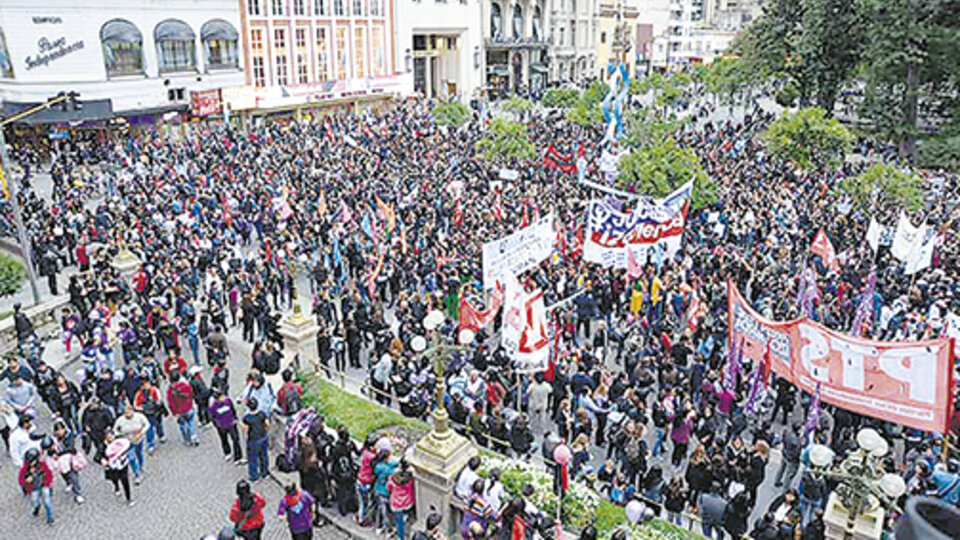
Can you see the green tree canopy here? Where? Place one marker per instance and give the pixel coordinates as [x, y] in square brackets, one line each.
[451, 113]
[644, 126]
[808, 138]
[517, 106]
[560, 97]
[885, 186]
[661, 167]
[506, 140]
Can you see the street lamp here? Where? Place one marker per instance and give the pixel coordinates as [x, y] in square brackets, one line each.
[864, 491]
[65, 100]
[439, 353]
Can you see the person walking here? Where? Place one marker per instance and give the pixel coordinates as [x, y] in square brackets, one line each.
[297, 507]
[792, 448]
[224, 418]
[70, 461]
[180, 401]
[255, 425]
[133, 426]
[115, 465]
[147, 401]
[247, 512]
[36, 481]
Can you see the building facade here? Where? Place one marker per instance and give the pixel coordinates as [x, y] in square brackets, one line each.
[125, 58]
[441, 42]
[573, 54]
[611, 17]
[516, 39]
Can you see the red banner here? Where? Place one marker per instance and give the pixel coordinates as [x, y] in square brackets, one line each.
[908, 383]
[205, 102]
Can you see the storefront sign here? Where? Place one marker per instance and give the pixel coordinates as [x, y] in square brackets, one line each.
[205, 102]
[48, 51]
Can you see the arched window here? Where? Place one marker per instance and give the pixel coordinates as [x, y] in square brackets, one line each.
[537, 23]
[496, 18]
[517, 22]
[6, 64]
[176, 49]
[122, 46]
[219, 44]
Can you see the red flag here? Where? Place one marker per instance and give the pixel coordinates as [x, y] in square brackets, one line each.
[767, 364]
[526, 219]
[497, 207]
[458, 214]
[536, 212]
[554, 159]
[821, 246]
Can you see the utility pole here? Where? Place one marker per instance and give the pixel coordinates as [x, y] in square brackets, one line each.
[25, 248]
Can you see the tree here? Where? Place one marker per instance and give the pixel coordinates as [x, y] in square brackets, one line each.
[451, 113]
[517, 106]
[585, 114]
[726, 79]
[659, 168]
[808, 138]
[560, 97]
[939, 153]
[831, 44]
[644, 127]
[883, 186]
[506, 140]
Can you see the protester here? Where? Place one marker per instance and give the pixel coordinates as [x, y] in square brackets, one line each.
[247, 512]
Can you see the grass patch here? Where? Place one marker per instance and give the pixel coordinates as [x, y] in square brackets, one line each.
[12, 274]
[359, 415]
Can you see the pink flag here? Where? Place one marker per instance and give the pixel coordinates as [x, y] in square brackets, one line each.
[634, 270]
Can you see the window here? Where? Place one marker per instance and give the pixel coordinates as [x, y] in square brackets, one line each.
[573, 34]
[537, 24]
[301, 38]
[175, 46]
[122, 46]
[280, 38]
[360, 54]
[259, 73]
[496, 17]
[320, 8]
[301, 69]
[253, 8]
[338, 8]
[219, 43]
[256, 41]
[517, 22]
[376, 52]
[281, 63]
[175, 94]
[375, 10]
[299, 8]
[573, 6]
[323, 72]
[341, 53]
[358, 8]
[562, 37]
[278, 6]
[603, 37]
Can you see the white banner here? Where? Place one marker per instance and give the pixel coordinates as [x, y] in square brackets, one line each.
[651, 232]
[921, 256]
[904, 238]
[873, 234]
[524, 331]
[518, 252]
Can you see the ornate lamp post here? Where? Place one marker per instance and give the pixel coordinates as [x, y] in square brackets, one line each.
[856, 508]
[438, 457]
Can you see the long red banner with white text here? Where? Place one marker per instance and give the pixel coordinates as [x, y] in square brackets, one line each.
[908, 383]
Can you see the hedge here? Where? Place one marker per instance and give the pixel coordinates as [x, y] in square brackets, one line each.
[12, 273]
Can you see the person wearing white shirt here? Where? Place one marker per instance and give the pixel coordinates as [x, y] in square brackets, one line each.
[493, 492]
[21, 440]
[464, 487]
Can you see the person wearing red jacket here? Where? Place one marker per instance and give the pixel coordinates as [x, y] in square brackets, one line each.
[36, 479]
[247, 512]
[147, 400]
[174, 362]
[180, 403]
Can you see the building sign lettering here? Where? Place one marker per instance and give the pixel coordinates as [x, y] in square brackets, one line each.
[48, 51]
[48, 20]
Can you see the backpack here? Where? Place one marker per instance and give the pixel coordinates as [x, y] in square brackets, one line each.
[291, 402]
[297, 426]
[346, 469]
[271, 363]
[660, 419]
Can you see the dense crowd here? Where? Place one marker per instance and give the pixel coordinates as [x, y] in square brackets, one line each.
[381, 218]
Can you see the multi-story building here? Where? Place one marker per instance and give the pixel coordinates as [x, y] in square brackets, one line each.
[310, 52]
[614, 15]
[135, 59]
[516, 38]
[441, 40]
[653, 27]
[573, 54]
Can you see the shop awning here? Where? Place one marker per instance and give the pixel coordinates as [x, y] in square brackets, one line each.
[173, 30]
[120, 31]
[539, 67]
[499, 69]
[219, 30]
[93, 110]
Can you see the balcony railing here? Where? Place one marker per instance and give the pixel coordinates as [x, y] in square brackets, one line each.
[529, 43]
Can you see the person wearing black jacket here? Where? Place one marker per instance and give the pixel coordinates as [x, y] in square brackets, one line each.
[521, 437]
[96, 420]
[343, 458]
[792, 447]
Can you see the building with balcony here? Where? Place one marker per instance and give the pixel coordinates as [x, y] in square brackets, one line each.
[311, 53]
[516, 40]
[140, 60]
[574, 26]
[440, 41]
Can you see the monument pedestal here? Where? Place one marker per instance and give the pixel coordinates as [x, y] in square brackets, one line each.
[437, 460]
[299, 334]
[867, 525]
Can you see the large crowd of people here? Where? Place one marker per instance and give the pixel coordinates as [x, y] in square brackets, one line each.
[380, 219]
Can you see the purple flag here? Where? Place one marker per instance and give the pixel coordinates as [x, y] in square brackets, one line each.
[801, 288]
[813, 413]
[733, 366]
[865, 308]
[755, 398]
